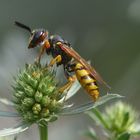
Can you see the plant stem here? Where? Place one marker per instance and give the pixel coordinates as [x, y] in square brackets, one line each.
[43, 129]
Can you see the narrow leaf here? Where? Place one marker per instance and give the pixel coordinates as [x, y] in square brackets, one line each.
[124, 136]
[6, 102]
[14, 130]
[126, 118]
[90, 105]
[8, 114]
[91, 134]
[97, 116]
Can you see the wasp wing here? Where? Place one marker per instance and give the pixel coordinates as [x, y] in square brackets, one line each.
[77, 57]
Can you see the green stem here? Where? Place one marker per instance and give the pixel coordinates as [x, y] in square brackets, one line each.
[43, 129]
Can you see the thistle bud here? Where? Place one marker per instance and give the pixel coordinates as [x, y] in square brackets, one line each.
[36, 95]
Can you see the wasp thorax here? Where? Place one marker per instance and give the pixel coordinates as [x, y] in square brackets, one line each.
[36, 96]
[37, 37]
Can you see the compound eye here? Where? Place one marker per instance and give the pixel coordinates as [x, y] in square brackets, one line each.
[37, 35]
[35, 39]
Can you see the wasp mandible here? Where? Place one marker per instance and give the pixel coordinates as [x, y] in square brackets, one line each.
[63, 54]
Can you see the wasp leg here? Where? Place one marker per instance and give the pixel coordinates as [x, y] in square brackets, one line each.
[57, 59]
[42, 50]
[68, 85]
[71, 79]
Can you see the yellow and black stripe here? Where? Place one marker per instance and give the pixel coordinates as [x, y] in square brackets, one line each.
[87, 81]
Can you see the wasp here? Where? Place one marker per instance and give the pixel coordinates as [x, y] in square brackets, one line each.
[75, 67]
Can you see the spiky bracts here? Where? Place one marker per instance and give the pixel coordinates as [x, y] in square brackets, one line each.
[36, 95]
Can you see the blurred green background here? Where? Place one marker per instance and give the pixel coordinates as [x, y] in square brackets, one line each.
[107, 32]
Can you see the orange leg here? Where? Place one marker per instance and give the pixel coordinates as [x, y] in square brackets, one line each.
[71, 79]
[68, 85]
[42, 50]
[57, 59]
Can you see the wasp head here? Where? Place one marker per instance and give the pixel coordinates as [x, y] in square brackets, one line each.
[38, 36]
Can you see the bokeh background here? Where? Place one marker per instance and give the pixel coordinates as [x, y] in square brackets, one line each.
[107, 32]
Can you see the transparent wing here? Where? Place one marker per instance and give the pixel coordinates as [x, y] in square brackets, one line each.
[87, 66]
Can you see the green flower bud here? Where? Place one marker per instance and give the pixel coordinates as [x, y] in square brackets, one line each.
[30, 80]
[45, 112]
[42, 87]
[19, 94]
[120, 121]
[36, 108]
[28, 102]
[29, 91]
[36, 96]
[53, 103]
[28, 116]
[51, 89]
[45, 101]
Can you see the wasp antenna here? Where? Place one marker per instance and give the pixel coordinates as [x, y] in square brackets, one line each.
[23, 26]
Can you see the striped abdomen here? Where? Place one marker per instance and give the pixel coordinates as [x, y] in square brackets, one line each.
[87, 81]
